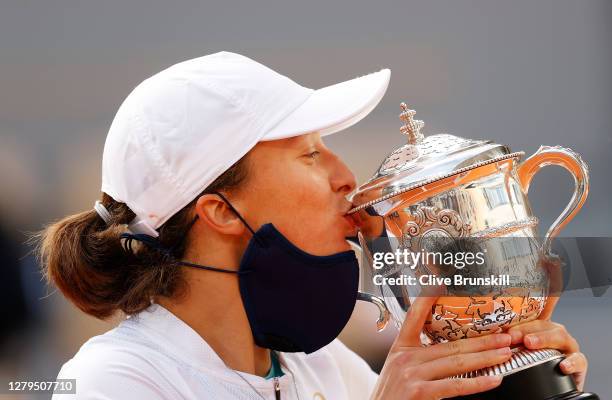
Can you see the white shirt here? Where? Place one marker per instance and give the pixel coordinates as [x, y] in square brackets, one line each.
[154, 355]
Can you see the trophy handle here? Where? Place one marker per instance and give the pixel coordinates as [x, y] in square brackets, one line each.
[571, 161]
[383, 312]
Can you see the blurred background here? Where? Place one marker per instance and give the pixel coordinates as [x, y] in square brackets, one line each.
[524, 73]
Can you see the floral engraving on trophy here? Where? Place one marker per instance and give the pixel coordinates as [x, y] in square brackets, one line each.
[479, 316]
[431, 229]
[432, 221]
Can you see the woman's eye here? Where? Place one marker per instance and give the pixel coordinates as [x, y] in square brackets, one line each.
[313, 155]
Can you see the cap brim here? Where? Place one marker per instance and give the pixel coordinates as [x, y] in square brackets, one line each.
[334, 108]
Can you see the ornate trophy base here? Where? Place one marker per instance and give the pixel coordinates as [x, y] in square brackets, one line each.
[530, 375]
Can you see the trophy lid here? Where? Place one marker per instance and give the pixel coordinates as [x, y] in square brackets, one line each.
[425, 159]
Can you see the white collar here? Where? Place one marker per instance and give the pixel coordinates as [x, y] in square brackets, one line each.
[177, 335]
[185, 344]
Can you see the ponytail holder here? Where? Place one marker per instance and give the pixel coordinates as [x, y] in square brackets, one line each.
[147, 240]
[138, 229]
[150, 241]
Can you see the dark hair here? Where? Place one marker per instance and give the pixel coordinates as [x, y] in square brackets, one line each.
[85, 259]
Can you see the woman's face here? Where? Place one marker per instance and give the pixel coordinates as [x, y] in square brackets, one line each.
[300, 186]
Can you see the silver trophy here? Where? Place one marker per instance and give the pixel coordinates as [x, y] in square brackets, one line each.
[443, 192]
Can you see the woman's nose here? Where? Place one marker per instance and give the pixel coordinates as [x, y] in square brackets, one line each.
[342, 179]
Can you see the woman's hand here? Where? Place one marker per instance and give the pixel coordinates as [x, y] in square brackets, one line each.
[541, 334]
[412, 371]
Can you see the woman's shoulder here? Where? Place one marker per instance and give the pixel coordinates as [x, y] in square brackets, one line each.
[337, 362]
[125, 340]
[348, 359]
[111, 363]
[335, 352]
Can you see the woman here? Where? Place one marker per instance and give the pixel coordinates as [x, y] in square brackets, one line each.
[234, 269]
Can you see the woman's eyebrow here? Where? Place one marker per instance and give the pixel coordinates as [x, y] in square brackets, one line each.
[303, 143]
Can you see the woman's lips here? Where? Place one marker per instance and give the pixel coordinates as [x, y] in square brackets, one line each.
[357, 218]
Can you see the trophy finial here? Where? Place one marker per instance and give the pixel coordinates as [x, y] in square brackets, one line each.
[411, 127]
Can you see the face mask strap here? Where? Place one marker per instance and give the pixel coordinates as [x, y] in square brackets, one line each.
[229, 271]
[240, 217]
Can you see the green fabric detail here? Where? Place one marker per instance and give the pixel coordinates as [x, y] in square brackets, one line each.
[275, 370]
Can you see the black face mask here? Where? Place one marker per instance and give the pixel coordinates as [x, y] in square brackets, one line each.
[295, 301]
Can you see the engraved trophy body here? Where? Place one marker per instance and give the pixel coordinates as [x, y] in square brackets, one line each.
[443, 192]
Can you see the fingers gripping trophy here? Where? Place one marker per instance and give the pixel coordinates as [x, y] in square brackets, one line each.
[444, 193]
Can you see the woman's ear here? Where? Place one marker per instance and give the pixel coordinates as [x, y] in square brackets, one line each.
[217, 215]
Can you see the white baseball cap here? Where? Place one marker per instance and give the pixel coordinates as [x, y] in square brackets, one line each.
[180, 129]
